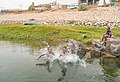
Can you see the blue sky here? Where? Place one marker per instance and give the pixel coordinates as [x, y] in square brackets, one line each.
[16, 4]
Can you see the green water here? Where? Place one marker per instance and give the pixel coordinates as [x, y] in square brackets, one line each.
[18, 64]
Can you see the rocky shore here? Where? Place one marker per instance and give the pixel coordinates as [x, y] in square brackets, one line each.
[112, 48]
[99, 16]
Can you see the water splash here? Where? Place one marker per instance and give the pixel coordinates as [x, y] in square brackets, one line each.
[63, 59]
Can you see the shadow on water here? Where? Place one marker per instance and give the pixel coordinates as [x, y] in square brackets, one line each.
[60, 67]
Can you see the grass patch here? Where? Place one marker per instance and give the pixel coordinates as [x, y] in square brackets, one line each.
[51, 32]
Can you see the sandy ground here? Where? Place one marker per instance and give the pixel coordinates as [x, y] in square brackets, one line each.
[95, 14]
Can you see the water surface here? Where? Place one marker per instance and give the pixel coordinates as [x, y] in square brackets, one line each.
[18, 64]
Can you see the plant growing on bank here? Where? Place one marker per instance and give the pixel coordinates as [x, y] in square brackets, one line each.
[52, 33]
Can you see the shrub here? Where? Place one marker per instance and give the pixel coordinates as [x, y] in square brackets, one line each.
[81, 7]
[72, 22]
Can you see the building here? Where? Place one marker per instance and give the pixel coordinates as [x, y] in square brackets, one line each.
[104, 2]
[43, 7]
[89, 1]
[58, 6]
[54, 6]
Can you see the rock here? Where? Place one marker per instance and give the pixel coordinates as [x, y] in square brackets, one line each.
[96, 53]
[115, 49]
[97, 44]
[85, 36]
[97, 48]
[112, 47]
[80, 48]
[81, 52]
[89, 23]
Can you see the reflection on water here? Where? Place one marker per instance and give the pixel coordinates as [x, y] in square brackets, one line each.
[111, 66]
[17, 64]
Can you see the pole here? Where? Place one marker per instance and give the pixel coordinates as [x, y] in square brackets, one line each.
[21, 6]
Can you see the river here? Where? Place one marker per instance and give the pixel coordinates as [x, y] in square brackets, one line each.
[18, 64]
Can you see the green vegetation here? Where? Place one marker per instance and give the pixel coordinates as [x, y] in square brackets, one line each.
[82, 7]
[31, 7]
[52, 33]
[71, 22]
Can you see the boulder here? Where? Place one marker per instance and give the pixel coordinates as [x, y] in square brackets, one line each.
[95, 53]
[112, 47]
[98, 48]
[80, 48]
[115, 50]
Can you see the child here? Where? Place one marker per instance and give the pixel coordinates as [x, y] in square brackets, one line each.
[107, 35]
[108, 32]
[49, 53]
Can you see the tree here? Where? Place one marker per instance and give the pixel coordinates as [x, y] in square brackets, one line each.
[81, 6]
[31, 7]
